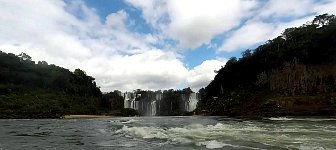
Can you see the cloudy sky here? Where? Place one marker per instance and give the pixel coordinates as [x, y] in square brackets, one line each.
[147, 44]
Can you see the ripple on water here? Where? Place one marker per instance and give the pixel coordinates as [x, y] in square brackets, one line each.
[195, 134]
[249, 135]
[169, 133]
[37, 134]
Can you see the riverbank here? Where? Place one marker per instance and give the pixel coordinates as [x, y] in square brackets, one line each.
[84, 116]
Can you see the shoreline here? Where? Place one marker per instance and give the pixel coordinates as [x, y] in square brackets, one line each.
[84, 116]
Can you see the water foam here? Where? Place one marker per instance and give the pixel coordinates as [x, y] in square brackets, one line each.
[222, 135]
[213, 144]
[197, 134]
[125, 121]
[301, 119]
[130, 121]
[280, 118]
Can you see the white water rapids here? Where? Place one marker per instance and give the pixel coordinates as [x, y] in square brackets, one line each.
[182, 133]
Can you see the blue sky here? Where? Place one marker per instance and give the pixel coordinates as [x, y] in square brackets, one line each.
[147, 44]
[191, 57]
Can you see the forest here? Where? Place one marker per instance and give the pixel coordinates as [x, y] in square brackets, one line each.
[40, 90]
[293, 74]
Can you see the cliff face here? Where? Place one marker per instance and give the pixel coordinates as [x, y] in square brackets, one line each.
[299, 79]
[293, 74]
[303, 89]
[158, 103]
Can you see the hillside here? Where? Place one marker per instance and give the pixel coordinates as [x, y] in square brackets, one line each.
[29, 90]
[293, 74]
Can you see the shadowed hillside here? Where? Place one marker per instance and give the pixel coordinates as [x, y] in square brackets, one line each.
[29, 90]
[293, 74]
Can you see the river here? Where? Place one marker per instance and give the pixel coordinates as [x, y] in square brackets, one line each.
[175, 133]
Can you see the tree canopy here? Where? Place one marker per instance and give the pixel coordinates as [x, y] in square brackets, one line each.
[305, 56]
[41, 90]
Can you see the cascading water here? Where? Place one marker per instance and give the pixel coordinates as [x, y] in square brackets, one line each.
[153, 108]
[132, 104]
[192, 102]
[129, 101]
[150, 104]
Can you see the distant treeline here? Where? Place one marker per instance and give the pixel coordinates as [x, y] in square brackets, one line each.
[293, 74]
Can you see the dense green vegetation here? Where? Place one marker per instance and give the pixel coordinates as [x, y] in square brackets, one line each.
[293, 74]
[29, 90]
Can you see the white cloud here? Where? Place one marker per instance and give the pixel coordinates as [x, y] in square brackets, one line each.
[257, 32]
[248, 35]
[201, 75]
[281, 8]
[326, 7]
[153, 11]
[117, 58]
[117, 20]
[194, 23]
[153, 69]
[264, 25]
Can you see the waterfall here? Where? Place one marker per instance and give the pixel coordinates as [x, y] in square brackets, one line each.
[158, 97]
[153, 108]
[132, 104]
[150, 103]
[129, 101]
[191, 102]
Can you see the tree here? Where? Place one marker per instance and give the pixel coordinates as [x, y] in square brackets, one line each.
[42, 63]
[25, 57]
[113, 100]
[247, 53]
[324, 19]
[231, 61]
[79, 73]
[287, 34]
[187, 91]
